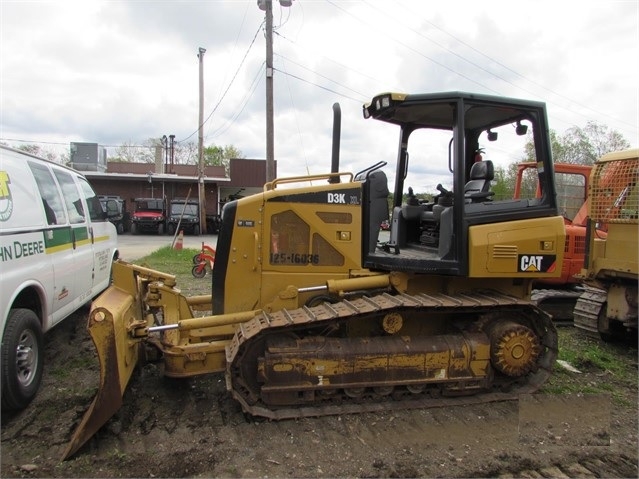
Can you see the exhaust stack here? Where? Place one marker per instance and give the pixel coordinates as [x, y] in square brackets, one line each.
[337, 129]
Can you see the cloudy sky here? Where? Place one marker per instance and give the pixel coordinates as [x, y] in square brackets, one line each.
[116, 72]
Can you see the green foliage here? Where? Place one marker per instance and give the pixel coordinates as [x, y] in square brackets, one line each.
[220, 155]
[169, 260]
[592, 357]
[184, 153]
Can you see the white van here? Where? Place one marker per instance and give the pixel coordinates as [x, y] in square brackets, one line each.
[56, 251]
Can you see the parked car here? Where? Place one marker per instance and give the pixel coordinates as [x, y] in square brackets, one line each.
[184, 215]
[149, 216]
[117, 213]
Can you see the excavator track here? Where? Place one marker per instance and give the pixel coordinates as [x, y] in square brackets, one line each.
[516, 325]
[559, 303]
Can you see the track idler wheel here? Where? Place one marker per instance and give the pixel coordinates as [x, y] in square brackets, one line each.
[514, 348]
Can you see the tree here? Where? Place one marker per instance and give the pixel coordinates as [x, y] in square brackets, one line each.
[126, 152]
[220, 156]
[581, 146]
[184, 153]
[37, 150]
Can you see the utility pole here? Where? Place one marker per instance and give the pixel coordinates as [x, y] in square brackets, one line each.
[200, 147]
[270, 141]
[267, 6]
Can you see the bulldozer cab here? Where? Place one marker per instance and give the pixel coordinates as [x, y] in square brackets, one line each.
[450, 147]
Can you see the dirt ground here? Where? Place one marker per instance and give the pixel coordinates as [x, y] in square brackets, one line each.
[193, 428]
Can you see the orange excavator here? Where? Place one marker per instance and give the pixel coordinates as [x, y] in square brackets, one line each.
[558, 296]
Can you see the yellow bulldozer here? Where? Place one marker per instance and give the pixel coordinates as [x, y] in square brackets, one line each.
[608, 306]
[313, 311]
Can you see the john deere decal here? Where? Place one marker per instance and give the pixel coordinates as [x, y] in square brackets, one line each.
[6, 201]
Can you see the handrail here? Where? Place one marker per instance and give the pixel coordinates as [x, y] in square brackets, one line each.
[294, 179]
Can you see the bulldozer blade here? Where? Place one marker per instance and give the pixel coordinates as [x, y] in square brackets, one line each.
[110, 321]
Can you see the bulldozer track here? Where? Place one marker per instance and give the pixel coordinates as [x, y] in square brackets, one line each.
[587, 310]
[479, 303]
[558, 303]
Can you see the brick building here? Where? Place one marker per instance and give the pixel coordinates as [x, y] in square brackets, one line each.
[147, 180]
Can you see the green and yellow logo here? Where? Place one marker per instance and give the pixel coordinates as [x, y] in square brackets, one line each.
[6, 201]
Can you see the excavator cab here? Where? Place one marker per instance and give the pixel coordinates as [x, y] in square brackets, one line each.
[440, 136]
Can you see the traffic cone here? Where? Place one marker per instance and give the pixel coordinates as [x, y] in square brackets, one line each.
[180, 241]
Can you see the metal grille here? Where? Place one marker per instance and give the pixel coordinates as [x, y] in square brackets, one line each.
[614, 194]
[580, 244]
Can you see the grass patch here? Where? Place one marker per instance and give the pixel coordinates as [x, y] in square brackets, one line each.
[169, 260]
[69, 367]
[605, 368]
[593, 355]
[179, 263]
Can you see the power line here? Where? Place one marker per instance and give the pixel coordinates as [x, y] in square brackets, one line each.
[493, 60]
[318, 86]
[408, 47]
[497, 62]
[245, 100]
[324, 76]
[237, 71]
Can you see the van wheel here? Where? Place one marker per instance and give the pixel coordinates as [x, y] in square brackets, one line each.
[161, 229]
[134, 229]
[171, 229]
[22, 359]
[196, 230]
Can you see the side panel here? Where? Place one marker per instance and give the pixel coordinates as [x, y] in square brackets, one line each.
[619, 252]
[311, 235]
[236, 273]
[531, 248]
[285, 237]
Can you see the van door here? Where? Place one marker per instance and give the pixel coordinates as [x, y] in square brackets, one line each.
[57, 241]
[81, 235]
[103, 234]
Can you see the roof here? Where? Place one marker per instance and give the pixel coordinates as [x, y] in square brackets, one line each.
[97, 175]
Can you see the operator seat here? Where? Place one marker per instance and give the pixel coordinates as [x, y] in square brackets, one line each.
[376, 192]
[481, 174]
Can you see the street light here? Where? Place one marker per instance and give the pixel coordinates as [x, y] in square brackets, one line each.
[267, 6]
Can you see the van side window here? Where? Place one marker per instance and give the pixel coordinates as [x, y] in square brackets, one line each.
[51, 201]
[71, 196]
[96, 213]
